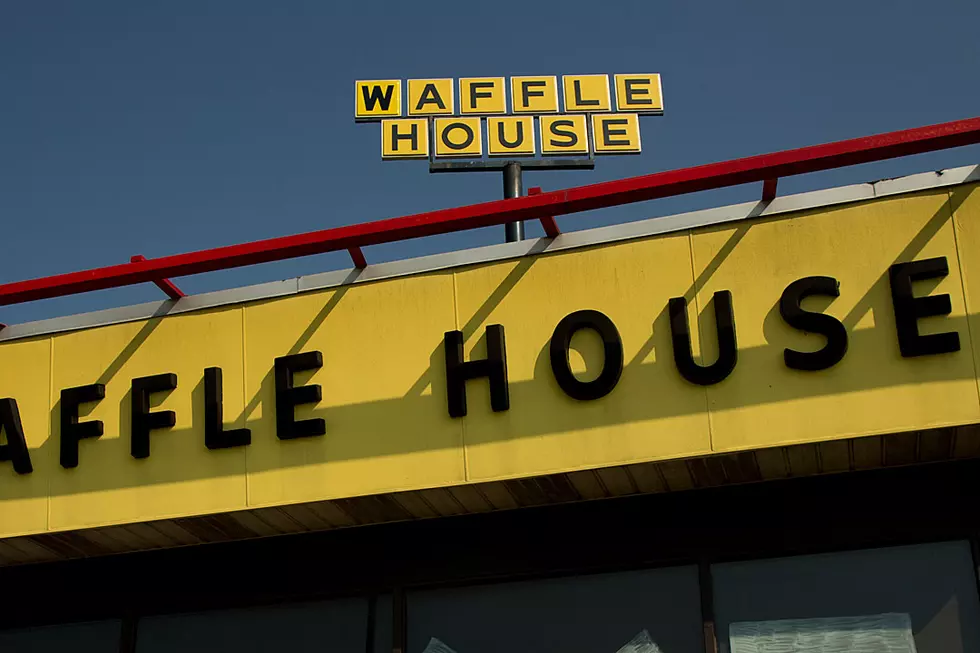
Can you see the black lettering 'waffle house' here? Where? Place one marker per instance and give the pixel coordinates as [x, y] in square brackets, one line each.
[523, 116]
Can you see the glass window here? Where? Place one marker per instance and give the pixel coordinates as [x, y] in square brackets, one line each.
[655, 611]
[334, 626]
[911, 599]
[94, 637]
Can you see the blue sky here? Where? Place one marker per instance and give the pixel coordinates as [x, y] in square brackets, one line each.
[157, 128]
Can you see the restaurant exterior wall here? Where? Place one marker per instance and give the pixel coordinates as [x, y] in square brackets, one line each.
[388, 422]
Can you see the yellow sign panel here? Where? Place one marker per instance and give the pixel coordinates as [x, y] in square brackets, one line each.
[586, 93]
[482, 95]
[377, 99]
[458, 137]
[407, 138]
[511, 136]
[564, 135]
[431, 97]
[615, 133]
[534, 94]
[361, 389]
[639, 93]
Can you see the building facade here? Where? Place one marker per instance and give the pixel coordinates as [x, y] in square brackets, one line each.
[752, 428]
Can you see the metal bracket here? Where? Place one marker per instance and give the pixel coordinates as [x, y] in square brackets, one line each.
[548, 222]
[769, 189]
[357, 256]
[166, 285]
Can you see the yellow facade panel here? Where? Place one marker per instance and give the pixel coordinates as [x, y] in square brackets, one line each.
[25, 377]
[873, 389]
[965, 205]
[180, 476]
[649, 415]
[382, 385]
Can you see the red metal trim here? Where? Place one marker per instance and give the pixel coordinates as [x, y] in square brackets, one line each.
[548, 222]
[535, 207]
[166, 285]
[769, 190]
[357, 256]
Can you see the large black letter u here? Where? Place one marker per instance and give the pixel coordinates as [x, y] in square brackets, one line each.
[681, 337]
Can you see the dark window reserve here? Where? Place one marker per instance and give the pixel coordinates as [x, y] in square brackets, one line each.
[908, 309]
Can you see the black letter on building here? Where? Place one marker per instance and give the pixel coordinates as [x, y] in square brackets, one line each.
[430, 95]
[727, 347]
[908, 308]
[143, 421]
[71, 430]
[612, 345]
[826, 325]
[376, 96]
[288, 397]
[15, 450]
[412, 135]
[475, 93]
[215, 437]
[570, 135]
[494, 367]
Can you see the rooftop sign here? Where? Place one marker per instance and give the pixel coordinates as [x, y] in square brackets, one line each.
[520, 117]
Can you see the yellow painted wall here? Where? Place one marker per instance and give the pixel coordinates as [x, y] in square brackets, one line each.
[384, 386]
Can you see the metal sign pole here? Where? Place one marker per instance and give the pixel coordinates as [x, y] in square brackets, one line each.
[513, 187]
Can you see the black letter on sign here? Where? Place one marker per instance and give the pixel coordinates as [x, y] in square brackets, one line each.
[71, 430]
[727, 348]
[494, 366]
[612, 345]
[376, 96]
[412, 135]
[577, 85]
[214, 435]
[16, 448]
[143, 421]
[570, 135]
[430, 95]
[287, 396]
[528, 93]
[467, 139]
[475, 93]
[631, 92]
[607, 133]
[908, 308]
[501, 136]
[826, 325]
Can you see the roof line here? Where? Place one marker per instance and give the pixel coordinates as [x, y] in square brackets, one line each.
[505, 251]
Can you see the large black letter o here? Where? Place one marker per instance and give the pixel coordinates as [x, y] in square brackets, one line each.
[612, 345]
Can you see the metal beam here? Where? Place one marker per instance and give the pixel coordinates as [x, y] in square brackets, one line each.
[534, 207]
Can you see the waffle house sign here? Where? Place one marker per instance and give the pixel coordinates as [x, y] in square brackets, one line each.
[521, 116]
